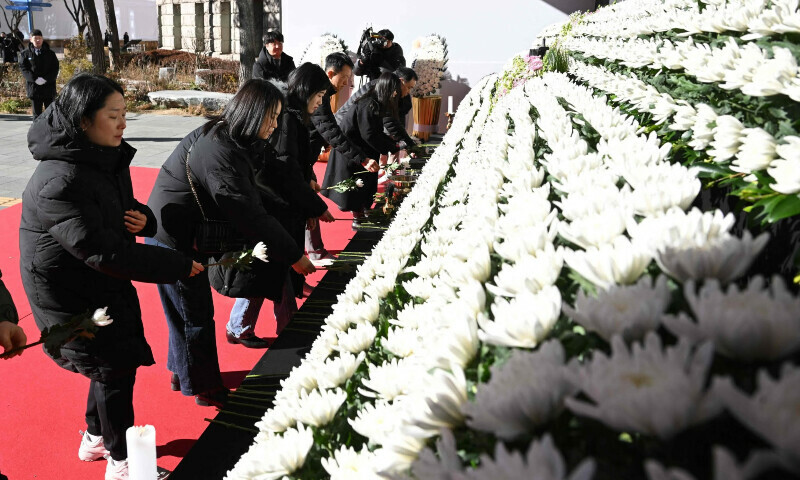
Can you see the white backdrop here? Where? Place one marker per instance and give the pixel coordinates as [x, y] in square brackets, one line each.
[137, 17]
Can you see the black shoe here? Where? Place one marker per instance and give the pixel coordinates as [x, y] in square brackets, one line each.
[215, 398]
[175, 382]
[250, 342]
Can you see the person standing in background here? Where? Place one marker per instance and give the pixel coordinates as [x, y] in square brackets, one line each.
[39, 66]
[272, 62]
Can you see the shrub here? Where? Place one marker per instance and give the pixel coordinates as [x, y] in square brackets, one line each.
[15, 105]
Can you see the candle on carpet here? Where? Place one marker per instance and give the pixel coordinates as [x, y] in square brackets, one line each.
[142, 453]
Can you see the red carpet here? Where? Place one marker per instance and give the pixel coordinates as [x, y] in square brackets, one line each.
[42, 406]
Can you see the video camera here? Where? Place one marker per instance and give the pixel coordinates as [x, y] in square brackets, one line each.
[371, 41]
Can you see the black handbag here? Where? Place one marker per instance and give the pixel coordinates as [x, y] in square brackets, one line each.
[212, 236]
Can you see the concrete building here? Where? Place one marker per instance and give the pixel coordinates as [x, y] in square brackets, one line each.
[210, 26]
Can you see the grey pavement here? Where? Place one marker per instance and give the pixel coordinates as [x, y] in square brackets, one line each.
[153, 136]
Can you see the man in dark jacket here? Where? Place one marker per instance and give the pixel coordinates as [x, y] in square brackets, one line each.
[272, 62]
[39, 66]
[379, 54]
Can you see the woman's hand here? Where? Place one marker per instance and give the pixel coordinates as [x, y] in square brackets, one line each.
[196, 268]
[311, 223]
[11, 337]
[135, 221]
[315, 186]
[304, 266]
[326, 217]
[372, 166]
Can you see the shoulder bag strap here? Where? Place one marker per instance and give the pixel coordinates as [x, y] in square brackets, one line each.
[191, 184]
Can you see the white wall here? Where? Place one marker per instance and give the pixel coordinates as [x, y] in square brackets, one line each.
[481, 35]
[137, 17]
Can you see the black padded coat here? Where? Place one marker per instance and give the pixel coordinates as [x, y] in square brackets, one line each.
[44, 65]
[266, 67]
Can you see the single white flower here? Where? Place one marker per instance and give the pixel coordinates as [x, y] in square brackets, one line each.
[542, 461]
[728, 137]
[596, 230]
[318, 407]
[260, 251]
[521, 321]
[392, 379]
[630, 311]
[678, 229]
[752, 324]
[530, 274]
[402, 342]
[645, 388]
[347, 464]
[359, 183]
[100, 318]
[440, 402]
[725, 258]
[335, 371]
[787, 175]
[523, 394]
[277, 419]
[621, 262]
[703, 131]
[771, 411]
[273, 457]
[442, 465]
[357, 339]
[757, 151]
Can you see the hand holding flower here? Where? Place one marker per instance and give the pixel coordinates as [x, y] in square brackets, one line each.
[55, 337]
[135, 221]
[196, 268]
[12, 337]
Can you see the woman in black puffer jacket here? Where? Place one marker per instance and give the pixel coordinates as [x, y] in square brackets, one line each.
[78, 252]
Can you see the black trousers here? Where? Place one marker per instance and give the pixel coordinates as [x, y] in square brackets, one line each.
[39, 104]
[109, 412]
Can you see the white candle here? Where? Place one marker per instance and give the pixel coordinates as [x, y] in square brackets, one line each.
[450, 104]
[142, 453]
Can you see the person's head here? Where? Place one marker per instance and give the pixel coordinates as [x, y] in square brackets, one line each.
[408, 79]
[339, 68]
[251, 114]
[307, 85]
[36, 38]
[388, 35]
[94, 106]
[386, 91]
[2, 34]
[273, 42]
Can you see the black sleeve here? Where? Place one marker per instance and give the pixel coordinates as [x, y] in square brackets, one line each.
[151, 227]
[8, 312]
[76, 223]
[52, 72]
[301, 194]
[238, 198]
[325, 123]
[360, 67]
[370, 125]
[396, 130]
[26, 68]
[258, 72]
[399, 59]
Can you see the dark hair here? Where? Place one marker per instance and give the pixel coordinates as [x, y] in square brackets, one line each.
[36, 32]
[273, 35]
[337, 61]
[386, 33]
[406, 74]
[304, 82]
[83, 96]
[382, 90]
[242, 117]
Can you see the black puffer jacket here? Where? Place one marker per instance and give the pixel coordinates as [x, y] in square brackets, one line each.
[394, 126]
[8, 311]
[44, 65]
[75, 253]
[325, 131]
[375, 61]
[363, 125]
[267, 67]
[223, 175]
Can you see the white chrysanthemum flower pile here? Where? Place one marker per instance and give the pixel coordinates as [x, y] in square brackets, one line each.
[428, 59]
[320, 47]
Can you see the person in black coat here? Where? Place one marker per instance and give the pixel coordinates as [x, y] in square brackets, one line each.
[272, 62]
[379, 54]
[39, 66]
[78, 252]
[307, 85]
[363, 125]
[222, 156]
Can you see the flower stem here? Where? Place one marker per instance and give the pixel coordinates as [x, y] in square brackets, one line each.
[19, 349]
[231, 425]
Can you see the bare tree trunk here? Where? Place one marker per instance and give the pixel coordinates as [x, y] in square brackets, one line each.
[111, 21]
[16, 16]
[250, 38]
[98, 54]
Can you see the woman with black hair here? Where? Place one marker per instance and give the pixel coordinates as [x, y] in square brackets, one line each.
[297, 186]
[222, 157]
[362, 123]
[78, 253]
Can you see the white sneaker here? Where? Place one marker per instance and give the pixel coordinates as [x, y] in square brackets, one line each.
[117, 470]
[91, 450]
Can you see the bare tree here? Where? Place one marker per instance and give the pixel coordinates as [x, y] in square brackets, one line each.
[250, 12]
[111, 21]
[78, 14]
[98, 54]
[12, 17]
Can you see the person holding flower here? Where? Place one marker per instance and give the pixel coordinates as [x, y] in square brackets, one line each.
[221, 157]
[11, 335]
[363, 123]
[78, 253]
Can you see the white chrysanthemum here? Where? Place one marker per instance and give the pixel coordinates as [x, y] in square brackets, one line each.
[702, 131]
[418, 287]
[398, 453]
[619, 263]
[377, 421]
[771, 412]
[522, 321]
[277, 419]
[725, 258]
[442, 465]
[594, 200]
[301, 378]
[630, 311]
[456, 343]
[523, 394]
[725, 467]
[542, 461]
[598, 229]
[757, 151]
[392, 379]
[335, 371]
[679, 229]
[646, 389]
[728, 136]
[786, 169]
[318, 407]
[357, 339]
[274, 456]
[100, 318]
[531, 274]
[439, 403]
[752, 324]
[402, 342]
[347, 464]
